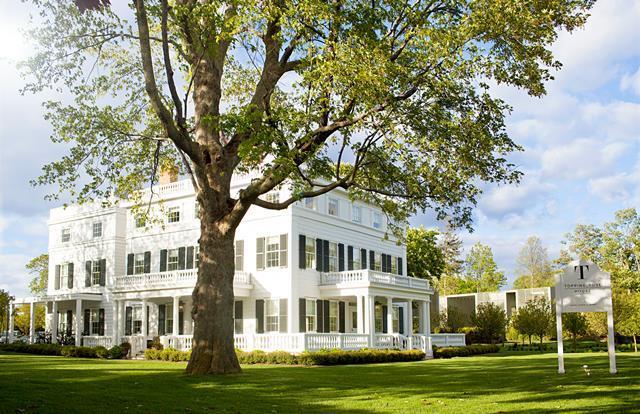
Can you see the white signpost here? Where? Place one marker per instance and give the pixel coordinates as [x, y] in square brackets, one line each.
[583, 287]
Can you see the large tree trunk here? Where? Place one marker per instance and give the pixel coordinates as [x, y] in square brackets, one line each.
[213, 347]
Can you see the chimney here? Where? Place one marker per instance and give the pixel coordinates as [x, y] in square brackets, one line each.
[168, 174]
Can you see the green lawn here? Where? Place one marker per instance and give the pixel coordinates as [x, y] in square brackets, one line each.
[508, 383]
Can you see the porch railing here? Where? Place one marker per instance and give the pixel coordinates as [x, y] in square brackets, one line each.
[105, 341]
[372, 276]
[448, 339]
[173, 279]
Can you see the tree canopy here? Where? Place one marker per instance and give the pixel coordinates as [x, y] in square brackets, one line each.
[424, 258]
[390, 101]
[39, 267]
[481, 273]
[534, 267]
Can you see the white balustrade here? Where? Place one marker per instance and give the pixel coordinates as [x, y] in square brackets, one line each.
[448, 339]
[105, 341]
[372, 276]
[173, 279]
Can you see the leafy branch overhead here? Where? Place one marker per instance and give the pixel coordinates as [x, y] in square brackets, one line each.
[389, 101]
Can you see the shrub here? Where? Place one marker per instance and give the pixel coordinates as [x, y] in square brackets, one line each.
[126, 349]
[491, 321]
[462, 351]
[116, 352]
[168, 354]
[101, 352]
[37, 349]
[155, 343]
[78, 351]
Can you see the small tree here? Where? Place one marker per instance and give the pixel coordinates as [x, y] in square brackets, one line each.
[521, 322]
[534, 318]
[481, 271]
[39, 267]
[491, 321]
[628, 313]
[574, 324]
[451, 319]
[5, 298]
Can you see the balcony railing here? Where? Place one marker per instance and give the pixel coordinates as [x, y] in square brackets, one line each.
[174, 279]
[372, 276]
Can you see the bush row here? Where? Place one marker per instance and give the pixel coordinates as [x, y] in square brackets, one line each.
[463, 351]
[325, 357]
[115, 352]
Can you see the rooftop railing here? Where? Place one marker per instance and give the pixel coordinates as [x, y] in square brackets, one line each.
[171, 279]
[373, 276]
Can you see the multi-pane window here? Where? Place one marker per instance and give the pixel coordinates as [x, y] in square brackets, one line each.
[333, 207]
[377, 263]
[378, 317]
[396, 319]
[310, 203]
[238, 322]
[62, 322]
[333, 257]
[168, 324]
[239, 252]
[65, 235]
[138, 263]
[136, 312]
[272, 314]
[354, 321]
[173, 215]
[273, 251]
[97, 229]
[172, 259]
[64, 275]
[357, 259]
[394, 265]
[94, 322]
[377, 220]
[356, 214]
[333, 316]
[272, 196]
[310, 253]
[311, 315]
[95, 272]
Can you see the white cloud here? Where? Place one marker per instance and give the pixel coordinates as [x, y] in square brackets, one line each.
[13, 274]
[611, 188]
[581, 158]
[631, 82]
[511, 201]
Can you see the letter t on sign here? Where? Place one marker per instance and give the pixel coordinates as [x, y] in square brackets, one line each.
[581, 270]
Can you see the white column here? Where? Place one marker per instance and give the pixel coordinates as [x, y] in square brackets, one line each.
[32, 322]
[360, 313]
[409, 330]
[145, 313]
[611, 345]
[12, 309]
[426, 318]
[371, 318]
[54, 322]
[78, 322]
[188, 319]
[114, 327]
[389, 314]
[176, 315]
[122, 316]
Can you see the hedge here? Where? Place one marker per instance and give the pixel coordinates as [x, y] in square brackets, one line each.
[115, 352]
[462, 351]
[325, 357]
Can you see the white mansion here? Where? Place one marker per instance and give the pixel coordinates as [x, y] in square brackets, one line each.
[318, 275]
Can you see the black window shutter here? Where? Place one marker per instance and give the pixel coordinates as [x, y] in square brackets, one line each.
[401, 320]
[181, 258]
[349, 257]
[190, 251]
[372, 260]
[325, 311]
[163, 260]
[389, 258]
[128, 320]
[385, 326]
[87, 320]
[147, 262]
[162, 315]
[340, 257]
[399, 265]
[319, 255]
[57, 280]
[237, 314]
[70, 280]
[325, 255]
[147, 332]
[101, 322]
[302, 314]
[260, 253]
[302, 255]
[238, 309]
[282, 320]
[363, 258]
[259, 316]
[103, 272]
[319, 316]
[87, 275]
[180, 321]
[341, 317]
[69, 321]
[130, 258]
[384, 263]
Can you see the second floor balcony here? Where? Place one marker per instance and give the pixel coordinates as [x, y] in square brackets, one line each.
[170, 280]
[352, 278]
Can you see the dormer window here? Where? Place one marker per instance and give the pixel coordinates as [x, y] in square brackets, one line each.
[356, 214]
[377, 221]
[66, 235]
[310, 203]
[97, 229]
[333, 207]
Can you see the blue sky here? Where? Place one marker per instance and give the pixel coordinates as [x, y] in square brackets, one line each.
[581, 158]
